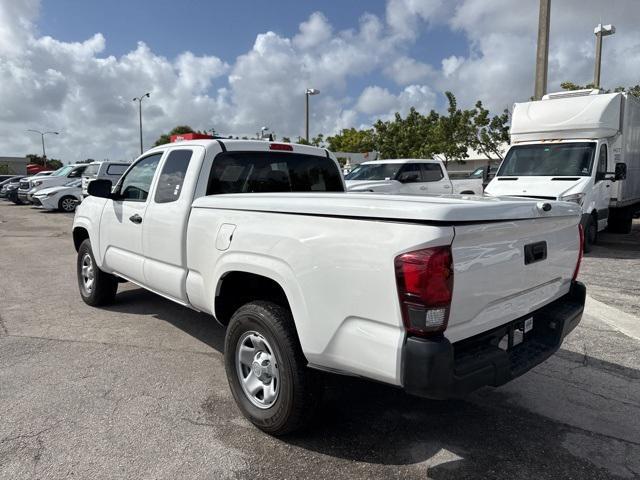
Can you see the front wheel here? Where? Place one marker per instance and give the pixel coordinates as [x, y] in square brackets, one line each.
[68, 204]
[266, 369]
[96, 287]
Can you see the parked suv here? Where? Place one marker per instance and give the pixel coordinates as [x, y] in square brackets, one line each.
[104, 171]
[29, 186]
[10, 190]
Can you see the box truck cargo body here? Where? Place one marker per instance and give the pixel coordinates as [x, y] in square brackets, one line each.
[581, 146]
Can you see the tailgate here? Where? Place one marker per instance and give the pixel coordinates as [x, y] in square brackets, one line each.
[505, 270]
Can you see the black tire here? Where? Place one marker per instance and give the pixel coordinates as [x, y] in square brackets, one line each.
[590, 233]
[620, 221]
[67, 204]
[299, 387]
[104, 286]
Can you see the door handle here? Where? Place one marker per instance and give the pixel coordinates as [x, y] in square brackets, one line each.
[136, 219]
[447, 186]
[423, 188]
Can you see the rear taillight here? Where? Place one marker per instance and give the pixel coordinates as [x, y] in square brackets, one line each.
[580, 253]
[425, 284]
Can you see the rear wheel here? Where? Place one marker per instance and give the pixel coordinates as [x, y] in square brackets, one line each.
[67, 204]
[590, 233]
[96, 287]
[266, 369]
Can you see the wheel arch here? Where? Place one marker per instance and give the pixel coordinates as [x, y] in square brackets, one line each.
[237, 287]
[80, 234]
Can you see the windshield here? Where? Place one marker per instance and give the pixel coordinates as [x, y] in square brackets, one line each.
[61, 172]
[557, 160]
[374, 171]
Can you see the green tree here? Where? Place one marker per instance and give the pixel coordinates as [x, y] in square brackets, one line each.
[180, 129]
[489, 133]
[352, 140]
[408, 137]
[454, 132]
[50, 163]
[634, 90]
[286, 140]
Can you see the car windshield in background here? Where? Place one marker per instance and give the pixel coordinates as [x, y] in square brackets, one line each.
[262, 172]
[374, 171]
[555, 160]
[91, 170]
[61, 172]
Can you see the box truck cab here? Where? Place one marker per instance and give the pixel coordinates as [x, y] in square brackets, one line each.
[580, 146]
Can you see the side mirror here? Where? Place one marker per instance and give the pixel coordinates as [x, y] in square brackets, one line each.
[621, 171]
[100, 188]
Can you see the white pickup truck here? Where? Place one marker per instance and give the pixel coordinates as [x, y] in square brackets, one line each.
[409, 177]
[435, 295]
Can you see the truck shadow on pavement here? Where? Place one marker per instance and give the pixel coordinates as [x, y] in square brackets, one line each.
[392, 434]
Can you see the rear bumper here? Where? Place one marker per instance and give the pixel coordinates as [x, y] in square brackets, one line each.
[435, 368]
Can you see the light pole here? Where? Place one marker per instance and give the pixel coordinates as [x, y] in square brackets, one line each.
[139, 100]
[42, 134]
[542, 54]
[600, 31]
[308, 91]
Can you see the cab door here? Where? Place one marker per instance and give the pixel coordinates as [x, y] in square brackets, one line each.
[123, 219]
[433, 180]
[165, 227]
[410, 178]
[602, 187]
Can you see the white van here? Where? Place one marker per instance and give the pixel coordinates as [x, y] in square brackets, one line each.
[104, 171]
[580, 146]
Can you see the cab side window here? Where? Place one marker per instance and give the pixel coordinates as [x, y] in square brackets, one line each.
[602, 163]
[76, 172]
[431, 172]
[410, 173]
[172, 176]
[135, 185]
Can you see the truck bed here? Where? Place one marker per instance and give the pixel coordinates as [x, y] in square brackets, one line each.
[334, 256]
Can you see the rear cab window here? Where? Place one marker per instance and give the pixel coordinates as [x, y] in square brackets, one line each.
[265, 172]
[117, 169]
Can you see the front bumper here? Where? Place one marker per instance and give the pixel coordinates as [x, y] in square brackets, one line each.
[435, 368]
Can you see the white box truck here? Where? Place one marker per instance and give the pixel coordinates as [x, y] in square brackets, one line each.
[581, 146]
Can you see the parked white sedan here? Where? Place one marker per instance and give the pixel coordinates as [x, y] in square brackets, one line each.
[63, 197]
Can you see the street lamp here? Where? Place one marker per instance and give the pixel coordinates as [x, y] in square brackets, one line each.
[600, 31]
[308, 91]
[139, 100]
[42, 134]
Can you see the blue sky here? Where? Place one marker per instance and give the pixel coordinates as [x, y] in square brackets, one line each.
[225, 29]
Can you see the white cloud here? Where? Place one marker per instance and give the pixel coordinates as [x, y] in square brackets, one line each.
[405, 71]
[313, 32]
[75, 88]
[375, 100]
[451, 64]
[380, 103]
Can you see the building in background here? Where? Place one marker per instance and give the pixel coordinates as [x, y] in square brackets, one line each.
[13, 165]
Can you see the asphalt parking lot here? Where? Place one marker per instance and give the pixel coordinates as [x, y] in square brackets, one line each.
[138, 390]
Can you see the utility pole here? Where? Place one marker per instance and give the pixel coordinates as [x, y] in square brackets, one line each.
[308, 91]
[139, 100]
[542, 54]
[600, 31]
[42, 134]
